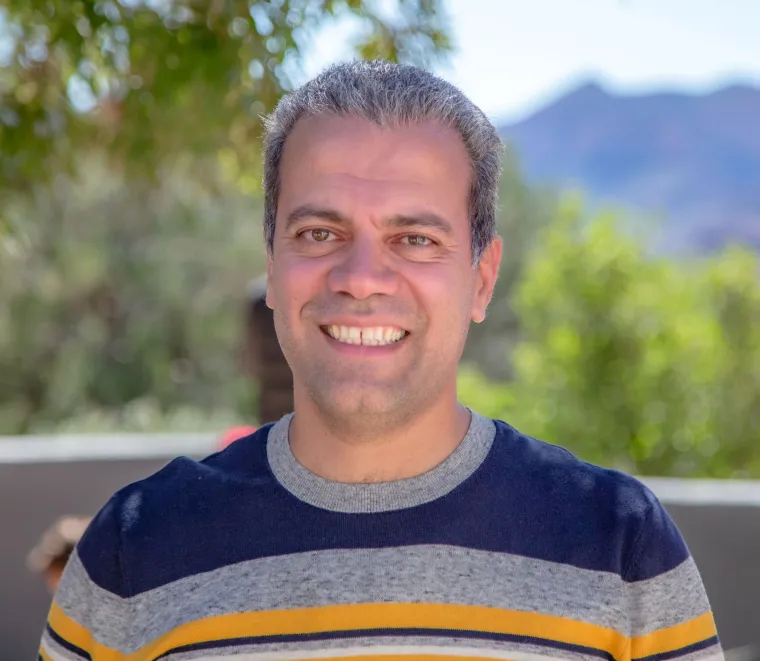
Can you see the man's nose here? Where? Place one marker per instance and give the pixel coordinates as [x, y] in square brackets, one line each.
[364, 270]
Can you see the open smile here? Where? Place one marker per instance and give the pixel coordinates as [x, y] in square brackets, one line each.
[374, 336]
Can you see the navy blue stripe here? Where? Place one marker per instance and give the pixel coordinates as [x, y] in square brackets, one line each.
[67, 645]
[689, 649]
[192, 517]
[369, 633]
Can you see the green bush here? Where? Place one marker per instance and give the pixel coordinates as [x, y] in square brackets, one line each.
[117, 294]
[631, 360]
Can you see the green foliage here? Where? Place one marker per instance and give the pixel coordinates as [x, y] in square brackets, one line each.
[146, 416]
[492, 399]
[118, 294]
[732, 285]
[523, 212]
[151, 80]
[129, 147]
[633, 361]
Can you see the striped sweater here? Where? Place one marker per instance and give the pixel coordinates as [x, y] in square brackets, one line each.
[510, 549]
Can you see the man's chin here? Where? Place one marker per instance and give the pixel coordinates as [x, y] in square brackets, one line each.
[361, 398]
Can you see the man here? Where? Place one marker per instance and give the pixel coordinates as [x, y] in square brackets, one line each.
[381, 520]
[49, 557]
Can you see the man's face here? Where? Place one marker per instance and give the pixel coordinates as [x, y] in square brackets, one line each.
[371, 278]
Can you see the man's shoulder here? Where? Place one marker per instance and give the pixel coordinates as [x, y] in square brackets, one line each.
[166, 509]
[584, 514]
[243, 460]
[556, 470]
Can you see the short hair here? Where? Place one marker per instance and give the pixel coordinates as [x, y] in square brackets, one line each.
[391, 95]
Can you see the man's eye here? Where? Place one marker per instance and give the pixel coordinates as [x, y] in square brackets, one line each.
[317, 235]
[417, 241]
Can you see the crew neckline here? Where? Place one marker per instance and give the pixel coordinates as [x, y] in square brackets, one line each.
[382, 496]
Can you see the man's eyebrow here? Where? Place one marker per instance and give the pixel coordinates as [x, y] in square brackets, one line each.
[406, 221]
[425, 219]
[309, 211]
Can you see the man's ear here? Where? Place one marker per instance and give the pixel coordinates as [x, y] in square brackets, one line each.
[488, 272]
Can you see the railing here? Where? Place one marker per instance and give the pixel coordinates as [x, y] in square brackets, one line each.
[98, 447]
[95, 447]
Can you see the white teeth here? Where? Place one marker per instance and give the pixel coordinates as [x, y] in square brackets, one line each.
[375, 336]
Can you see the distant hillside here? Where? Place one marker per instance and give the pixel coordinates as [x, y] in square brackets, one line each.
[694, 160]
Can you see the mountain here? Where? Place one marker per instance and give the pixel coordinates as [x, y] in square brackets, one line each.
[691, 160]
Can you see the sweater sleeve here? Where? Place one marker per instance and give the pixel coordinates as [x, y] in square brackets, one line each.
[89, 617]
[669, 612]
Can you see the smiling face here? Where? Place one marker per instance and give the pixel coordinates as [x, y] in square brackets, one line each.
[371, 277]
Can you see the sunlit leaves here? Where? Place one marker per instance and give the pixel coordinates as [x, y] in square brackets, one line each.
[151, 80]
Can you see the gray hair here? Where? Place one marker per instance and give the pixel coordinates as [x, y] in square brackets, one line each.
[391, 95]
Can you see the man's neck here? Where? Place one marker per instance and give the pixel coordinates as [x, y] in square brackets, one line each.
[399, 453]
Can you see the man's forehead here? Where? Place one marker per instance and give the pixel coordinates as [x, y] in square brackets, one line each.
[354, 147]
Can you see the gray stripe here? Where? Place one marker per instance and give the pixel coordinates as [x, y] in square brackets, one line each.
[105, 615]
[666, 600]
[413, 574]
[386, 496]
[712, 653]
[328, 645]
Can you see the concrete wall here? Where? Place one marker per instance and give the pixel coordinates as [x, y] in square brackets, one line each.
[721, 523]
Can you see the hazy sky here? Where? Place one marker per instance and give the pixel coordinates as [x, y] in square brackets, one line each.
[514, 55]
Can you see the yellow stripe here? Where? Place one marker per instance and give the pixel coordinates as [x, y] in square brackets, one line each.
[377, 616]
[44, 655]
[77, 635]
[675, 637]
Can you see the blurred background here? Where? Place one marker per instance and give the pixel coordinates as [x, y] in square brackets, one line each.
[626, 321]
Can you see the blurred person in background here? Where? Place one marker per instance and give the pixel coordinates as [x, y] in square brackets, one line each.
[234, 434]
[264, 362]
[381, 519]
[263, 357]
[49, 557]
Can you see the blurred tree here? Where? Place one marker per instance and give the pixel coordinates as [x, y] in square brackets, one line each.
[149, 81]
[732, 285]
[523, 212]
[633, 361]
[128, 151]
[118, 294]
